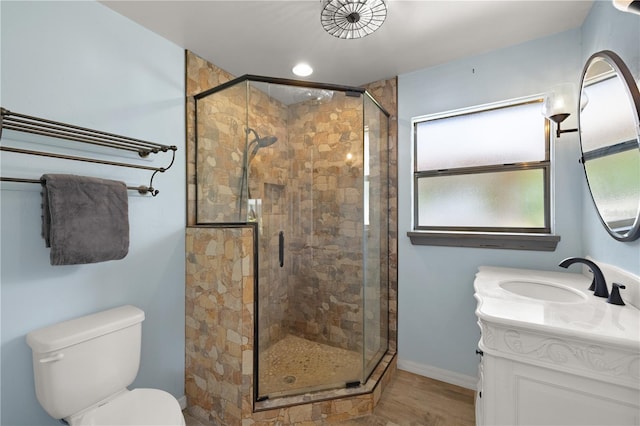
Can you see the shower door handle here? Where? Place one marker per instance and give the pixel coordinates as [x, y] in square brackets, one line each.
[281, 248]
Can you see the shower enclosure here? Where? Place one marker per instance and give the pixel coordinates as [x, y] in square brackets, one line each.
[306, 165]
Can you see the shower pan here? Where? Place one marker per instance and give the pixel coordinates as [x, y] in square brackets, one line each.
[305, 165]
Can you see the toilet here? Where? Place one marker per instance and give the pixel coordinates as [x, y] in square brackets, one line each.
[82, 368]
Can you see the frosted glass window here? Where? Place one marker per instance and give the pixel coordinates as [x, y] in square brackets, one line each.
[511, 199]
[485, 170]
[505, 135]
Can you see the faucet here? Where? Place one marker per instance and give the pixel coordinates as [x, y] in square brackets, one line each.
[598, 284]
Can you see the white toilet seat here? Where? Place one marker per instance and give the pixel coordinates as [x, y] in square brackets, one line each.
[134, 408]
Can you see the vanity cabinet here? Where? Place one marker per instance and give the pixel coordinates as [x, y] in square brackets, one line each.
[524, 393]
[547, 363]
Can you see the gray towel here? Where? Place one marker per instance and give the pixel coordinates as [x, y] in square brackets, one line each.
[84, 219]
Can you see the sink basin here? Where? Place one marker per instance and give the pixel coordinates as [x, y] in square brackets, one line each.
[543, 291]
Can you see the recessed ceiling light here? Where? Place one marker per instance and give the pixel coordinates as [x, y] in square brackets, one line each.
[302, 70]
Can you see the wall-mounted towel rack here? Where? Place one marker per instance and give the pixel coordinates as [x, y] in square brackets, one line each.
[39, 126]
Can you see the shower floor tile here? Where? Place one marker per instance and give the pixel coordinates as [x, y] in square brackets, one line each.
[295, 365]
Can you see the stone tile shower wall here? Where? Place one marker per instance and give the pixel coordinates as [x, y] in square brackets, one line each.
[268, 183]
[309, 190]
[219, 343]
[222, 391]
[326, 200]
[223, 125]
[221, 137]
[200, 76]
[219, 324]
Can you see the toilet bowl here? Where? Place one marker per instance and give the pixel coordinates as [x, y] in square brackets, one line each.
[136, 407]
[82, 369]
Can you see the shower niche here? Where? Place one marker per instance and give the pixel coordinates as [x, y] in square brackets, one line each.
[306, 167]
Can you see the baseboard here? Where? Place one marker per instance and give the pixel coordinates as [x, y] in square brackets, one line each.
[183, 402]
[447, 376]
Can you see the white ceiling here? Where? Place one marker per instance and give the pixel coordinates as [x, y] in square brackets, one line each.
[268, 37]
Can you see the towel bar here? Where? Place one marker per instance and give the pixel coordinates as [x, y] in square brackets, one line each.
[141, 189]
[54, 129]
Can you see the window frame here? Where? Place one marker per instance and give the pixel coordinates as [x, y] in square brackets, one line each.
[535, 238]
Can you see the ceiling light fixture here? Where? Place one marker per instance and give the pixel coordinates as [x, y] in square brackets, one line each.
[302, 70]
[350, 19]
[632, 6]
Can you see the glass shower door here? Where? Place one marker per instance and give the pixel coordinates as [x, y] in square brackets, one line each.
[376, 236]
[311, 252]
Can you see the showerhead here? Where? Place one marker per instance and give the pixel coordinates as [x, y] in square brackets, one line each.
[260, 142]
[267, 141]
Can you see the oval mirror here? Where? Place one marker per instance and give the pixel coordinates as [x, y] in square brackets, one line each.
[609, 123]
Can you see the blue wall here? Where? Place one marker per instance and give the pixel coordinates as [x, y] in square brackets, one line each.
[81, 63]
[607, 28]
[437, 326]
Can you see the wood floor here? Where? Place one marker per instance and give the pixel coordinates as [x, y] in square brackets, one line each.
[412, 400]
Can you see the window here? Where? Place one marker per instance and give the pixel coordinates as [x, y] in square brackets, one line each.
[482, 178]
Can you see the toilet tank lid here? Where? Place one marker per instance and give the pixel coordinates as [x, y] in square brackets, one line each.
[67, 333]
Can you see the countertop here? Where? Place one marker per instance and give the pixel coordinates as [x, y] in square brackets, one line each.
[593, 319]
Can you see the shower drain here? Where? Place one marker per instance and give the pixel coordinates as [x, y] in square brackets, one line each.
[289, 379]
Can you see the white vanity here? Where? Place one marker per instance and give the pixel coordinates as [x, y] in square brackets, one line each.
[553, 353]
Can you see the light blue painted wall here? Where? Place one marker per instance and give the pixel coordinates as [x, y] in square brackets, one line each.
[437, 325]
[608, 28]
[81, 63]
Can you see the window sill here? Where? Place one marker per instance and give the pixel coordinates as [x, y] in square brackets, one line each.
[534, 242]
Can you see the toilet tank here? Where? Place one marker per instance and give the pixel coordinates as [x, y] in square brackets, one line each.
[81, 362]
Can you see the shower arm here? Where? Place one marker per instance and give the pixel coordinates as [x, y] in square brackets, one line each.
[255, 134]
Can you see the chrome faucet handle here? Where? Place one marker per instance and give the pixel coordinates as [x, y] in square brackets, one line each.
[615, 298]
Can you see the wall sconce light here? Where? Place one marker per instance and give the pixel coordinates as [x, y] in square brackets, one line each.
[559, 104]
[631, 6]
